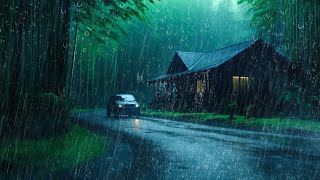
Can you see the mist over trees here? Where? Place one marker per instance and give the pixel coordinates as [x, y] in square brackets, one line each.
[147, 49]
[38, 41]
[88, 50]
[293, 27]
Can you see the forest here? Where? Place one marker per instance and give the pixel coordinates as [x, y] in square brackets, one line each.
[59, 54]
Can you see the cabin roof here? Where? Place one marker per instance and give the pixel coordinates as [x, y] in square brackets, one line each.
[189, 58]
[217, 57]
[202, 61]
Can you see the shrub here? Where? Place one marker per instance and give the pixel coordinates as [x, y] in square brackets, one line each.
[231, 107]
[249, 111]
[294, 103]
[42, 114]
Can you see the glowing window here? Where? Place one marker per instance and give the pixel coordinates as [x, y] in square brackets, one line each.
[241, 83]
[199, 86]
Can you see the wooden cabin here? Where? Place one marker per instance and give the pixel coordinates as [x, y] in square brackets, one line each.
[250, 74]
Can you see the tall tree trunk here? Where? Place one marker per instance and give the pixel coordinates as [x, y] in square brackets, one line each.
[15, 66]
[7, 12]
[63, 51]
[51, 55]
[73, 59]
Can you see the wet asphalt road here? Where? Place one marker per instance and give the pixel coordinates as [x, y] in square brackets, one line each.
[149, 148]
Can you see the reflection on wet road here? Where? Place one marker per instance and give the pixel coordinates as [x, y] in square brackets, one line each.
[191, 151]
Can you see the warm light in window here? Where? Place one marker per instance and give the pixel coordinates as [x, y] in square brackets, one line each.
[241, 83]
[199, 86]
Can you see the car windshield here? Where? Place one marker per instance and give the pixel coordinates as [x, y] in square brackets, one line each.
[125, 98]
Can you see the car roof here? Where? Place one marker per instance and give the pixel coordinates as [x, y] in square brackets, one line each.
[122, 95]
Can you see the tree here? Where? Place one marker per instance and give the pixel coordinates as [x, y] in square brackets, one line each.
[293, 26]
[35, 47]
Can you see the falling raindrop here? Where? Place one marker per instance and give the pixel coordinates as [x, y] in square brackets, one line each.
[282, 12]
[90, 28]
[287, 46]
[254, 37]
[300, 26]
[84, 50]
[63, 11]
[86, 33]
[79, 5]
[170, 46]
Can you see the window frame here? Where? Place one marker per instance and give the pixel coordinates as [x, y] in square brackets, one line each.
[243, 83]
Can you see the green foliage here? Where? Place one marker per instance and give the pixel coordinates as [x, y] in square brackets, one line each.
[198, 117]
[61, 152]
[103, 20]
[261, 124]
[297, 104]
[177, 25]
[293, 27]
[42, 114]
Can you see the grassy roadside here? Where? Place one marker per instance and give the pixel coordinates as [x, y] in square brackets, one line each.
[83, 110]
[260, 124]
[53, 154]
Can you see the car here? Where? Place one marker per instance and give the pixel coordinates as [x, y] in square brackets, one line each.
[123, 104]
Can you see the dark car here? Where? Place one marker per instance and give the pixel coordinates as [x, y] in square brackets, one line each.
[123, 104]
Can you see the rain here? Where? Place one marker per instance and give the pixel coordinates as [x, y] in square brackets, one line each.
[160, 89]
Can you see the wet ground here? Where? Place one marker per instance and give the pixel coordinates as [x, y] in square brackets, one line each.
[148, 148]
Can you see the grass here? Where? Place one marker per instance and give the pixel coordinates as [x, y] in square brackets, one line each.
[62, 152]
[272, 124]
[82, 110]
[199, 117]
[286, 123]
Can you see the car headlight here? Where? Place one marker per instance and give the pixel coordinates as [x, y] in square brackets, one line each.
[120, 105]
[137, 105]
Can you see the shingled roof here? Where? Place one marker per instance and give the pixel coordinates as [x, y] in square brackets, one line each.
[201, 61]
